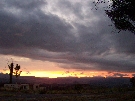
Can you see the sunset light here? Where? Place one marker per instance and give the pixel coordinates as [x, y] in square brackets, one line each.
[58, 38]
[67, 50]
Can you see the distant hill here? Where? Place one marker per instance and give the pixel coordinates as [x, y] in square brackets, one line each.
[96, 81]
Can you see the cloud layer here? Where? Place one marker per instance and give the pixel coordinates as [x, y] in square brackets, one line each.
[66, 32]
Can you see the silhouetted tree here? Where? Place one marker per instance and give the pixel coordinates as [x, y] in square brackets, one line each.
[132, 80]
[11, 66]
[17, 72]
[121, 12]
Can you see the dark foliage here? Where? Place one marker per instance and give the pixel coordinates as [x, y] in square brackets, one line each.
[78, 87]
[132, 80]
[122, 13]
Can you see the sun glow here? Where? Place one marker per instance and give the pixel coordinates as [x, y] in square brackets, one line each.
[49, 74]
[55, 74]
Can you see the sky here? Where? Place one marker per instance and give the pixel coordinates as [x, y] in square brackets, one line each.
[63, 38]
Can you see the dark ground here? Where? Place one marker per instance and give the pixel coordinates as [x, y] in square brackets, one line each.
[30, 96]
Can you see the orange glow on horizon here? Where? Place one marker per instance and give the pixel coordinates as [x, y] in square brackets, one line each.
[73, 73]
[55, 74]
[39, 68]
[49, 74]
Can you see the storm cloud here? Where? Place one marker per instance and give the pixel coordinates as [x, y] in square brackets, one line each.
[67, 32]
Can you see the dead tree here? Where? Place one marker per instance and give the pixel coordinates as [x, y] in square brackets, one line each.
[11, 66]
[17, 72]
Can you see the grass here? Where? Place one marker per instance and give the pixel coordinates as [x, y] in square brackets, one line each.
[96, 94]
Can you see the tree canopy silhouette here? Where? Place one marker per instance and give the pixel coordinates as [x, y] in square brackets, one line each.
[17, 72]
[132, 80]
[121, 12]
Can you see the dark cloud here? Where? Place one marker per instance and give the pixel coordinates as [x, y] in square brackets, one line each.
[34, 30]
[86, 42]
[125, 43]
[23, 5]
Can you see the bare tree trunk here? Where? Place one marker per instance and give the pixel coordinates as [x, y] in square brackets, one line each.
[10, 81]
